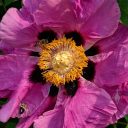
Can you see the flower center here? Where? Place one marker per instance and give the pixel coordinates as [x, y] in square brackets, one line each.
[62, 61]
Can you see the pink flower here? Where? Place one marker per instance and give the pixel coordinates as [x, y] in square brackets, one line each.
[84, 100]
[90, 107]
[81, 16]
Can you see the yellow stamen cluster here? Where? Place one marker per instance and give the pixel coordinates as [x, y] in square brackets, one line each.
[62, 61]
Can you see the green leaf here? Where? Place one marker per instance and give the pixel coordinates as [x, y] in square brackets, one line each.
[16, 4]
[126, 118]
[2, 11]
[10, 124]
[3, 101]
[111, 126]
[124, 11]
[1, 2]
[7, 2]
[2, 125]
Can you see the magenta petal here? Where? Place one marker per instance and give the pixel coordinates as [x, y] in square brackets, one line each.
[112, 42]
[46, 104]
[121, 100]
[5, 48]
[91, 107]
[94, 19]
[12, 68]
[15, 70]
[32, 5]
[56, 14]
[51, 119]
[119, 95]
[5, 93]
[114, 69]
[16, 30]
[104, 20]
[39, 92]
[9, 108]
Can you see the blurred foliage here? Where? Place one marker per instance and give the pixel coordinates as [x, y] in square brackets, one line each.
[10, 124]
[122, 123]
[6, 4]
[3, 101]
[124, 11]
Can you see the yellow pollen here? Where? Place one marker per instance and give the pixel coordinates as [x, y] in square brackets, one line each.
[62, 61]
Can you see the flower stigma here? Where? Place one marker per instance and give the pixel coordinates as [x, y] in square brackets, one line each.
[62, 61]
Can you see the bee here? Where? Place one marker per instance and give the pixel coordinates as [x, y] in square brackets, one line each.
[41, 42]
[23, 108]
